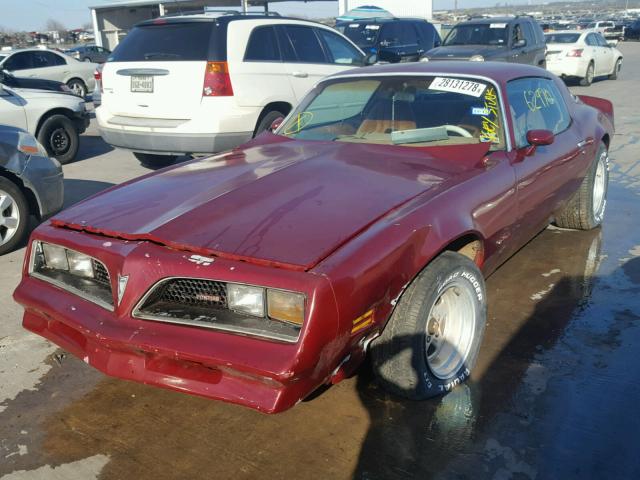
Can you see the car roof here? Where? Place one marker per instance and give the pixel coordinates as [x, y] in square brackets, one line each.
[219, 18]
[500, 72]
[480, 20]
[383, 20]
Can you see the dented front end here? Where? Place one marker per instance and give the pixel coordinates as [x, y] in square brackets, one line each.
[204, 355]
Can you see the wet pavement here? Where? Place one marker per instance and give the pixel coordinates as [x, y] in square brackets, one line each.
[553, 395]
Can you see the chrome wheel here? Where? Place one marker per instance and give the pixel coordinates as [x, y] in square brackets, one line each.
[78, 89]
[600, 187]
[450, 328]
[590, 74]
[9, 217]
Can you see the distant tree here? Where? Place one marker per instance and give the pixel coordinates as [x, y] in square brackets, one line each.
[88, 26]
[55, 26]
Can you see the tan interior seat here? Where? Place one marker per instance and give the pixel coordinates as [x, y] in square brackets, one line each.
[379, 120]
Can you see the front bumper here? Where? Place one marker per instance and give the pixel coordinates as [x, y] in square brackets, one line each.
[261, 374]
[81, 121]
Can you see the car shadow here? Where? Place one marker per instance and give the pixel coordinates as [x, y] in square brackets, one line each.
[524, 387]
[76, 190]
[91, 146]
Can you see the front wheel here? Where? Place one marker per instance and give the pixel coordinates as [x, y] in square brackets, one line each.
[59, 136]
[14, 216]
[432, 340]
[266, 121]
[585, 210]
[616, 70]
[589, 75]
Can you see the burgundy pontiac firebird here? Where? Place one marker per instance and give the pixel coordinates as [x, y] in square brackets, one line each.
[365, 222]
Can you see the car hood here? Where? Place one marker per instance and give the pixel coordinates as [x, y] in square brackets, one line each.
[33, 84]
[274, 201]
[464, 51]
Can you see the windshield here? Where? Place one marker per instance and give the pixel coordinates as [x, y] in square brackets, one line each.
[562, 37]
[411, 111]
[362, 34]
[477, 34]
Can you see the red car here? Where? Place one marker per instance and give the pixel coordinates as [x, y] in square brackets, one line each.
[366, 222]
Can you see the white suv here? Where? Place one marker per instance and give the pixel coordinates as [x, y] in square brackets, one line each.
[207, 83]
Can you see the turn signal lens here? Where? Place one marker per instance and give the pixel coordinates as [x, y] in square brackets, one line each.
[217, 81]
[285, 306]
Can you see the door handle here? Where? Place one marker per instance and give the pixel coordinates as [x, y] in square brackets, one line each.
[582, 144]
[300, 74]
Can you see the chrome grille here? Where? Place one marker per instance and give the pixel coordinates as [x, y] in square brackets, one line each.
[190, 292]
[101, 274]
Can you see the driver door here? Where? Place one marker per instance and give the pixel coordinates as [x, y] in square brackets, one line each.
[546, 179]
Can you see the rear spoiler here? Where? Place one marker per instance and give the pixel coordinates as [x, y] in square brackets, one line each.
[605, 106]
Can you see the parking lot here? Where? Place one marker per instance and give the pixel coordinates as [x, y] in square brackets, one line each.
[553, 395]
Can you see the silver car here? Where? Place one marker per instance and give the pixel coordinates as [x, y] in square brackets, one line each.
[31, 183]
[50, 65]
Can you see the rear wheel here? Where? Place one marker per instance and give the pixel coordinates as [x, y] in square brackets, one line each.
[86, 59]
[59, 136]
[77, 87]
[266, 121]
[153, 160]
[585, 210]
[589, 75]
[14, 216]
[432, 341]
[616, 70]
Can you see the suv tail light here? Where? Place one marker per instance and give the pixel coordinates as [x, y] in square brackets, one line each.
[97, 74]
[575, 53]
[217, 81]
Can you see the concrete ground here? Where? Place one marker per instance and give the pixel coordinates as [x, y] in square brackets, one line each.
[554, 395]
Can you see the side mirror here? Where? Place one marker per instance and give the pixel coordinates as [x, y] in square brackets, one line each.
[276, 124]
[538, 138]
[371, 59]
[520, 43]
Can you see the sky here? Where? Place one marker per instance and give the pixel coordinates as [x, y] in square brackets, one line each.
[33, 14]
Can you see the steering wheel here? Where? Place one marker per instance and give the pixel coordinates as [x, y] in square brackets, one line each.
[459, 130]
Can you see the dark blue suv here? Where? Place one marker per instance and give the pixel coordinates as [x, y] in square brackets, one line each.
[391, 39]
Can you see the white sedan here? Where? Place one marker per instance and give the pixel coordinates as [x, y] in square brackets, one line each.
[582, 54]
[50, 65]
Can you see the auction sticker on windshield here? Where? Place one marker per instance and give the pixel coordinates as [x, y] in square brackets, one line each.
[456, 85]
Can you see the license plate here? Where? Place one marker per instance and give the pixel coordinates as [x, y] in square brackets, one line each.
[142, 83]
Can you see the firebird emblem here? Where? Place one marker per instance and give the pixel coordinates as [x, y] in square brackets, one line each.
[200, 260]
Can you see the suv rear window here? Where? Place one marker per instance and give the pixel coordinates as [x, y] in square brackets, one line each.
[165, 42]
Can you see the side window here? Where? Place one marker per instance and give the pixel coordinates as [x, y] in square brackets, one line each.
[54, 59]
[19, 61]
[536, 104]
[601, 41]
[306, 44]
[263, 46]
[341, 51]
[516, 34]
[395, 34]
[528, 34]
[286, 48]
[591, 40]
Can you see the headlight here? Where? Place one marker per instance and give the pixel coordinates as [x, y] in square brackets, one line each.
[285, 306]
[73, 271]
[80, 264]
[55, 257]
[477, 58]
[424, 59]
[246, 299]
